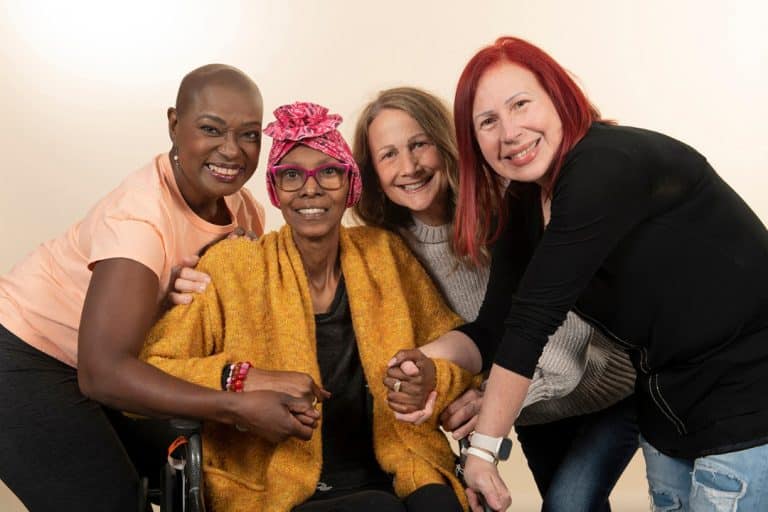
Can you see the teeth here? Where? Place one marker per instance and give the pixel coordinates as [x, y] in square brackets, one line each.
[311, 211]
[414, 186]
[225, 171]
[525, 151]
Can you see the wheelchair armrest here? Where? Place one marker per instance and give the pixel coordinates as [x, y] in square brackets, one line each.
[185, 427]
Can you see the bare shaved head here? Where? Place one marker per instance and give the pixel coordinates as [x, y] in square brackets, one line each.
[213, 74]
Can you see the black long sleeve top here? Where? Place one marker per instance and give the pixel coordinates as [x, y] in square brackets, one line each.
[651, 245]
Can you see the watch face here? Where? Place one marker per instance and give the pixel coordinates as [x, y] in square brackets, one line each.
[505, 449]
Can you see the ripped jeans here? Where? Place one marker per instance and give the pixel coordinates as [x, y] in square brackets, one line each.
[727, 482]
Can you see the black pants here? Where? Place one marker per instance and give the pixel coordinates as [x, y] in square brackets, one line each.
[577, 461]
[60, 450]
[432, 497]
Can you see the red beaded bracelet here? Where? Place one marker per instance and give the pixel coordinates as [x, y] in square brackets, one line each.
[238, 372]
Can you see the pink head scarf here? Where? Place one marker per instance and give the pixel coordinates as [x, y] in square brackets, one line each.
[309, 124]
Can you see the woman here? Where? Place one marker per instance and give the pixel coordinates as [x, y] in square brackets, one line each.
[406, 150]
[638, 233]
[116, 266]
[332, 303]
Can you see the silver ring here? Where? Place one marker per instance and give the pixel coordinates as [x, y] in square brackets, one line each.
[396, 387]
[240, 428]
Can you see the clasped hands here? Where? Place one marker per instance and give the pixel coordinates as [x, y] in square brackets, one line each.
[276, 405]
[411, 379]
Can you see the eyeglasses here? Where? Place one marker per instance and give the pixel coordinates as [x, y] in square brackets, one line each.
[290, 178]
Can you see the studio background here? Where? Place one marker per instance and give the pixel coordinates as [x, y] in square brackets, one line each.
[85, 87]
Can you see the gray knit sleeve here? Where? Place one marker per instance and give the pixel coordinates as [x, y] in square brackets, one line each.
[607, 375]
[562, 363]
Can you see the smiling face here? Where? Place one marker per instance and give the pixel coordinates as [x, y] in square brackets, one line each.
[312, 212]
[515, 123]
[217, 137]
[410, 168]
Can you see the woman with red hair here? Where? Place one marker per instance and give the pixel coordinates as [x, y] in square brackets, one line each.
[638, 234]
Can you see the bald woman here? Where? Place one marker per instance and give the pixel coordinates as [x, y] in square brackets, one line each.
[75, 312]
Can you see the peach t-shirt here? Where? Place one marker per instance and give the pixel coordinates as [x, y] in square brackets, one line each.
[145, 219]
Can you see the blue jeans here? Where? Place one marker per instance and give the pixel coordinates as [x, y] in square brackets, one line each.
[732, 481]
[577, 461]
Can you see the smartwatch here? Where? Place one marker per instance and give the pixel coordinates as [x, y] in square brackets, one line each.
[498, 447]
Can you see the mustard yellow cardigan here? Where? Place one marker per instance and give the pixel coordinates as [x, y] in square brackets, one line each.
[258, 309]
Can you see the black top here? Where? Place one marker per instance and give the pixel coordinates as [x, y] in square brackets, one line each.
[648, 243]
[347, 429]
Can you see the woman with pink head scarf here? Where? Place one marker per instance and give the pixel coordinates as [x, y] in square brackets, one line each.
[317, 310]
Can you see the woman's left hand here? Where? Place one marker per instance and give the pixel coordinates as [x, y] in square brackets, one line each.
[460, 417]
[185, 281]
[482, 477]
[411, 378]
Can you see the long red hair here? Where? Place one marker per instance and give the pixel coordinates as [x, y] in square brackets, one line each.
[480, 209]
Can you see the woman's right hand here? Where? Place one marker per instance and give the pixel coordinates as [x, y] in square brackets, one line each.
[295, 384]
[240, 232]
[275, 416]
[483, 479]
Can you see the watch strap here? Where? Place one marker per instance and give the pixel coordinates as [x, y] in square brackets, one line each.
[485, 442]
[479, 452]
[499, 447]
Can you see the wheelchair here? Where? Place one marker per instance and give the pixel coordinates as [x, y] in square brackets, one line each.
[181, 483]
[182, 480]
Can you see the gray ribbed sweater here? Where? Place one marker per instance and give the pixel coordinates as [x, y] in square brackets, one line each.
[579, 371]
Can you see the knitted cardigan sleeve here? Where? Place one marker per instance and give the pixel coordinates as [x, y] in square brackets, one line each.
[433, 319]
[187, 342]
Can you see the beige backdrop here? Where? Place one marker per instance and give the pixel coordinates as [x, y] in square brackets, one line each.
[85, 86]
